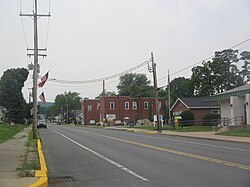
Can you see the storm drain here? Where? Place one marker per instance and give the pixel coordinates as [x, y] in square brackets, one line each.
[60, 180]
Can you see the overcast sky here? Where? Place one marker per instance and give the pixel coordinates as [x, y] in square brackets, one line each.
[90, 39]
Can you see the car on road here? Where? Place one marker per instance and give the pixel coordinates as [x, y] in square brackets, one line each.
[41, 121]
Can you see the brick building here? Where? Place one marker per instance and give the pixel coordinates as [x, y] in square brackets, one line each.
[198, 106]
[120, 107]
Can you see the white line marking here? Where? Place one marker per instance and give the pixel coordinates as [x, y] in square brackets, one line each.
[103, 157]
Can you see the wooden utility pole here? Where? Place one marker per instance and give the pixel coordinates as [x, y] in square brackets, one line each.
[102, 100]
[169, 100]
[35, 16]
[156, 90]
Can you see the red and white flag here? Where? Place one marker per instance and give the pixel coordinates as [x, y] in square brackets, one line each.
[42, 97]
[43, 80]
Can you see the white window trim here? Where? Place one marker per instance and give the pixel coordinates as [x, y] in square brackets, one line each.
[134, 105]
[146, 108]
[159, 105]
[213, 111]
[125, 105]
[90, 108]
[110, 104]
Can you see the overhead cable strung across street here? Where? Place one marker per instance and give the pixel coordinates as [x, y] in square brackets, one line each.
[164, 86]
[99, 79]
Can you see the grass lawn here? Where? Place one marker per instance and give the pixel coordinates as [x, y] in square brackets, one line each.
[240, 132]
[7, 131]
[185, 129]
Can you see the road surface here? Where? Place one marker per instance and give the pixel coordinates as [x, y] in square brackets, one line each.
[80, 156]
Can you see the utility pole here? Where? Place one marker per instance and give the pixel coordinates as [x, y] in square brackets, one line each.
[67, 113]
[35, 16]
[102, 101]
[169, 101]
[156, 94]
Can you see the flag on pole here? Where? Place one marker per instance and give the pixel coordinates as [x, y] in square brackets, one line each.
[43, 80]
[42, 97]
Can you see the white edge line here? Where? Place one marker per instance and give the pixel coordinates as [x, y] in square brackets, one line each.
[103, 157]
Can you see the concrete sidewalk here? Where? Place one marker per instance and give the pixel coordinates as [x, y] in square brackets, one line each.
[11, 156]
[202, 135]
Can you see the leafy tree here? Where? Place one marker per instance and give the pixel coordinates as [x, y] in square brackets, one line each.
[11, 96]
[225, 70]
[27, 114]
[218, 75]
[106, 94]
[202, 80]
[245, 56]
[180, 87]
[133, 84]
[163, 93]
[68, 101]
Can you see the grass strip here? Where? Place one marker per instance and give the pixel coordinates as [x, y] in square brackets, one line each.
[239, 133]
[8, 131]
[31, 159]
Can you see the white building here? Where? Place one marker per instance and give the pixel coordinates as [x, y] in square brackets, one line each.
[234, 105]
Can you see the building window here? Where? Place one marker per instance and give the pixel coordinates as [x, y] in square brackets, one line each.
[112, 106]
[89, 108]
[159, 105]
[126, 105]
[134, 105]
[215, 111]
[146, 105]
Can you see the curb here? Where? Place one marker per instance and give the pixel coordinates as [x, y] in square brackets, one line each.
[43, 172]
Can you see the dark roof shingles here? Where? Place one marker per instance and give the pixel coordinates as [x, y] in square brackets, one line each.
[199, 103]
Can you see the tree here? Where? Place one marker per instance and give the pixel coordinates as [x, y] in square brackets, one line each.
[218, 75]
[133, 84]
[11, 96]
[245, 56]
[180, 87]
[66, 102]
[226, 74]
[109, 94]
[202, 80]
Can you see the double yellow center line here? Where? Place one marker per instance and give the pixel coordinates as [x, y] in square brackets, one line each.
[214, 160]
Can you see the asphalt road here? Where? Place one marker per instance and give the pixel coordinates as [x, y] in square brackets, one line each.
[80, 156]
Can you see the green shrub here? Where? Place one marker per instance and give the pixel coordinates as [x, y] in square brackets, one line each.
[211, 119]
[187, 118]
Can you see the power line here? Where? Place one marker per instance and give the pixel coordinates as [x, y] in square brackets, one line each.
[24, 33]
[164, 86]
[99, 79]
[236, 45]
